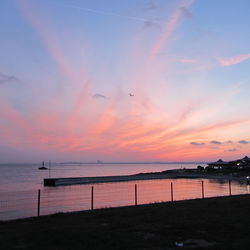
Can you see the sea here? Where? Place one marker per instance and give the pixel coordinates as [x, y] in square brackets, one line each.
[22, 193]
[16, 177]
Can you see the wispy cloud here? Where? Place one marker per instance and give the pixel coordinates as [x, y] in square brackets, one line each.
[233, 60]
[186, 60]
[153, 22]
[141, 19]
[186, 12]
[170, 26]
[99, 96]
[152, 5]
[216, 142]
[231, 150]
[7, 78]
[243, 142]
[197, 143]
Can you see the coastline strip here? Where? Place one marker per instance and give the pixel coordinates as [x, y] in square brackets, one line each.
[142, 176]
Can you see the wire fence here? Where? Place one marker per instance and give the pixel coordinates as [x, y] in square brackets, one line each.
[23, 204]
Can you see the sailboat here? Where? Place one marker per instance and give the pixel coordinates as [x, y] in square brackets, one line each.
[43, 167]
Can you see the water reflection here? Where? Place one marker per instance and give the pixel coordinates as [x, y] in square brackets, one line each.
[78, 197]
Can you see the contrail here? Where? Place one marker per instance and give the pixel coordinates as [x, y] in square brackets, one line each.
[140, 19]
[170, 27]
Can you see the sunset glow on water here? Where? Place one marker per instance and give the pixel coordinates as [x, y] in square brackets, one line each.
[78, 198]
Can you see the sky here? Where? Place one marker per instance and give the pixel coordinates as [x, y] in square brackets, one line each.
[135, 80]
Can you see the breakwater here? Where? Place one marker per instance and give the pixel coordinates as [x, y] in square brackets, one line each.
[102, 179]
[170, 174]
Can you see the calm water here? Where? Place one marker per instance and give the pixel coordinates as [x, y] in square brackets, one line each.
[28, 177]
[19, 188]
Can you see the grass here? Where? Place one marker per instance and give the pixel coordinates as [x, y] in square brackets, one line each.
[214, 223]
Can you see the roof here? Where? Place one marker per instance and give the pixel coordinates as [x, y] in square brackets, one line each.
[246, 158]
[219, 162]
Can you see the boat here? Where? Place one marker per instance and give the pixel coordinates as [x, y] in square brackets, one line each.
[43, 167]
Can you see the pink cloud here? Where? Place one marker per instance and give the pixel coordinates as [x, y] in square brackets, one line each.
[233, 60]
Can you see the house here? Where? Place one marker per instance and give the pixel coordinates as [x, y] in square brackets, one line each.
[243, 163]
[220, 164]
[246, 159]
[236, 164]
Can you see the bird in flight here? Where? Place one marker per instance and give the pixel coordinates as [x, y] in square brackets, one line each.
[130, 94]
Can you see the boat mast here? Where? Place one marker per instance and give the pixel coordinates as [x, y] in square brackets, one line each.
[49, 168]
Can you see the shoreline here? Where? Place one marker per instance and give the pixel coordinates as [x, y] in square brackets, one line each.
[168, 174]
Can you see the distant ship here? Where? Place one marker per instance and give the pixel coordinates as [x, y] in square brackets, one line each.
[99, 161]
[43, 167]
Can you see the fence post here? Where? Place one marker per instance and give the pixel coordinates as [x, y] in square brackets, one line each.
[172, 192]
[230, 190]
[135, 194]
[202, 189]
[92, 197]
[38, 202]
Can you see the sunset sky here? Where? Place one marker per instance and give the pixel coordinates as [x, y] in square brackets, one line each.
[68, 66]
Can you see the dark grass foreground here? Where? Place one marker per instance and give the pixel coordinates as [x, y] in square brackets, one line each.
[216, 223]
